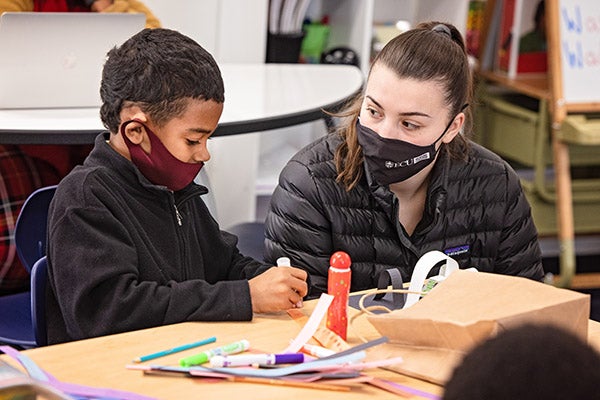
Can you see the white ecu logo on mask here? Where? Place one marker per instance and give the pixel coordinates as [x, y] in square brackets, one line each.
[407, 163]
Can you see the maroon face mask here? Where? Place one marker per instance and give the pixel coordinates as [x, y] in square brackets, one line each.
[160, 167]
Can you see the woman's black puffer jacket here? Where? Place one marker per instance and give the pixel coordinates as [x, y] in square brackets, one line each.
[475, 212]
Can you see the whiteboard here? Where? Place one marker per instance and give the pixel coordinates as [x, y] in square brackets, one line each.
[579, 40]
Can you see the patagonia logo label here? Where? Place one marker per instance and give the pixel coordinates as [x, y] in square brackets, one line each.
[455, 251]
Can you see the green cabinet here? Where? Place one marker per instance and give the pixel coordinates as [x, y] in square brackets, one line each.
[517, 128]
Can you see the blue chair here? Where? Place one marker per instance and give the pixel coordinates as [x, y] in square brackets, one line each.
[251, 238]
[15, 320]
[39, 280]
[31, 226]
[16, 323]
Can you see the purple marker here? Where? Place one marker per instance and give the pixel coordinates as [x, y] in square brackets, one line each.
[251, 359]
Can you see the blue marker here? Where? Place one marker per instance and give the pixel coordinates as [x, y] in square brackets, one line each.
[175, 350]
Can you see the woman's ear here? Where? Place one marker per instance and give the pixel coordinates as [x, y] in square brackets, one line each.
[454, 128]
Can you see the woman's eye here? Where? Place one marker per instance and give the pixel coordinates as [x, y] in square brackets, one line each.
[373, 112]
[409, 125]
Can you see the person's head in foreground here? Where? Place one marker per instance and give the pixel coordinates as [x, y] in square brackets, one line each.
[528, 362]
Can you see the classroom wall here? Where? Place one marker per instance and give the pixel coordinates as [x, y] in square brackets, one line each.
[232, 30]
[196, 19]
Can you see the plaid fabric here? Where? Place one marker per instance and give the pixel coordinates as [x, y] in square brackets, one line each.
[20, 175]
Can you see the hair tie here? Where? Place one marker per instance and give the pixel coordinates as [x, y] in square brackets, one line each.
[441, 28]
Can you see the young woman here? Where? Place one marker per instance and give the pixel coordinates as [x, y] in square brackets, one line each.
[399, 178]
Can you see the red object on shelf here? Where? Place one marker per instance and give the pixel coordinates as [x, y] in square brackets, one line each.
[338, 285]
[533, 62]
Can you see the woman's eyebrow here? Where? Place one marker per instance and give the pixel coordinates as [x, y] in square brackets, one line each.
[374, 101]
[404, 114]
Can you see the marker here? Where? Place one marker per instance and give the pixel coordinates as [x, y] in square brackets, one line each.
[251, 359]
[285, 262]
[316, 351]
[175, 350]
[201, 358]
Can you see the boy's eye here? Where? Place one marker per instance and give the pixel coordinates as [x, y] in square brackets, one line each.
[192, 142]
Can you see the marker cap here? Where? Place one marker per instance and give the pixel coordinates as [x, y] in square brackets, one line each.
[292, 358]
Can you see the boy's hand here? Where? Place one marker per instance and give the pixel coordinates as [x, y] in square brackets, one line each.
[277, 289]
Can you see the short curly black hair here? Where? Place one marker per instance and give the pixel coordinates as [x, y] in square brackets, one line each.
[528, 362]
[159, 70]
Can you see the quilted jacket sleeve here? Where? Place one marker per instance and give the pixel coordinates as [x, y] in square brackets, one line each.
[297, 226]
[519, 252]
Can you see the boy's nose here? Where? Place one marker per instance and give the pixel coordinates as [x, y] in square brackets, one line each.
[202, 155]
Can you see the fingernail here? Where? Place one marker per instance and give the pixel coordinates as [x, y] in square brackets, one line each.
[299, 304]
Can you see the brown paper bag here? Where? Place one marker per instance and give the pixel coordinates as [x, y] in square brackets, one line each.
[467, 308]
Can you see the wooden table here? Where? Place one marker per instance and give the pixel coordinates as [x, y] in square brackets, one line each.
[101, 362]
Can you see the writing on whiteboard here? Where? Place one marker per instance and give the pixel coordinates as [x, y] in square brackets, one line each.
[579, 26]
[579, 48]
[572, 22]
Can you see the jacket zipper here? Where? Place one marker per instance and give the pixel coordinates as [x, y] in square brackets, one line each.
[183, 250]
[178, 215]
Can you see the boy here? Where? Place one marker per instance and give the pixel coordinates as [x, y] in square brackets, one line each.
[131, 243]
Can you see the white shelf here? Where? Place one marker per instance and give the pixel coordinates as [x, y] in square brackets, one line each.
[352, 21]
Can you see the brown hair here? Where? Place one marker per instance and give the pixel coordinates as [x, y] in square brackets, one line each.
[433, 51]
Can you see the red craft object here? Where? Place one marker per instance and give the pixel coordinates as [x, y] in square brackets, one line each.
[338, 285]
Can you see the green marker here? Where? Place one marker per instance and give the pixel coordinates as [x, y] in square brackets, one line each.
[201, 358]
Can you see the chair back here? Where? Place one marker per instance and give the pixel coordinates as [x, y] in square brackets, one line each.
[39, 281]
[30, 229]
[251, 238]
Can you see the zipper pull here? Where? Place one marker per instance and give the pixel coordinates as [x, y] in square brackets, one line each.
[178, 215]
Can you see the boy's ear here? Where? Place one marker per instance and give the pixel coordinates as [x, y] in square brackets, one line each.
[134, 130]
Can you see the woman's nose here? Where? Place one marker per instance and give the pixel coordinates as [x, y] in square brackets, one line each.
[387, 130]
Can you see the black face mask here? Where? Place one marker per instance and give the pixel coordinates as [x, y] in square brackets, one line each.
[393, 160]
